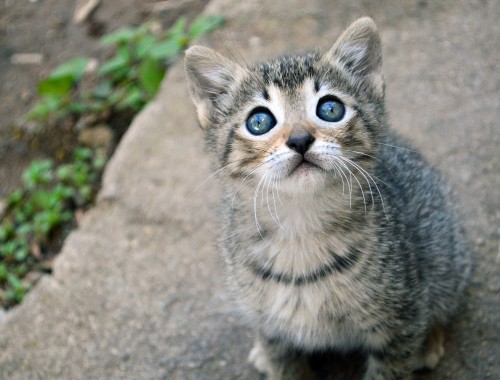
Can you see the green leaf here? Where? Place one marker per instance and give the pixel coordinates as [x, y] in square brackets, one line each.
[116, 67]
[144, 45]
[99, 162]
[133, 99]
[47, 106]
[44, 200]
[58, 87]
[64, 172]
[204, 24]
[151, 75]
[24, 230]
[82, 154]
[15, 198]
[118, 94]
[22, 252]
[7, 249]
[3, 272]
[121, 35]
[39, 172]
[17, 290]
[13, 281]
[42, 110]
[86, 192]
[118, 64]
[78, 107]
[102, 90]
[74, 69]
[6, 231]
[45, 222]
[178, 29]
[166, 50]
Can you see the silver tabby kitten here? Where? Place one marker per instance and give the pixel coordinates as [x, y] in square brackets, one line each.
[335, 236]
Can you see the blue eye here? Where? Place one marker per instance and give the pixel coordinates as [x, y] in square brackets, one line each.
[260, 121]
[330, 109]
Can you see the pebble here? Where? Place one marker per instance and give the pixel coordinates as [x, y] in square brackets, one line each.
[26, 59]
[84, 10]
[100, 136]
[3, 207]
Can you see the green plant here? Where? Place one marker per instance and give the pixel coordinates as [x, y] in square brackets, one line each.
[127, 80]
[43, 208]
[133, 75]
[55, 91]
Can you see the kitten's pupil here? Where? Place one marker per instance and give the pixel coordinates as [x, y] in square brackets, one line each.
[330, 109]
[260, 121]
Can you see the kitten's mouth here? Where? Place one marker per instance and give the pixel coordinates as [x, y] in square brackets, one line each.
[304, 167]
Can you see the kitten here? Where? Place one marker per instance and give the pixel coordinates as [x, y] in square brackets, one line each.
[336, 235]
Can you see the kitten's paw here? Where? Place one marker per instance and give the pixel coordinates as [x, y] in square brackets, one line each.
[259, 359]
[433, 350]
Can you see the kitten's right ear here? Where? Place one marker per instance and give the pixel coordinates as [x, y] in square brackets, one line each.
[209, 76]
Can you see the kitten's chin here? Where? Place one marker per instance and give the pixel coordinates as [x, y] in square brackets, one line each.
[306, 177]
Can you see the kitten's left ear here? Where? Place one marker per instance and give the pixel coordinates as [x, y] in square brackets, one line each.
[359, 51]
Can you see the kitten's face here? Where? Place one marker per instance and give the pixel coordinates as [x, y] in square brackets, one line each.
[299, 122]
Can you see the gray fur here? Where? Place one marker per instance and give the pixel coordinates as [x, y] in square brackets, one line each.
[360, 252]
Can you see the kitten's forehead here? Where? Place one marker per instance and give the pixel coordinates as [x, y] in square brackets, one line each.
[288, 72]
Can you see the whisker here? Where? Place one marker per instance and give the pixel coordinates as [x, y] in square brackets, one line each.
[373, 181]
[211, 176]
[340, 173]
[398, 147]
[356, 178]
[275, 186]
[361, 170]
[373, 157]
[349, 183]
[267, 200]
[240, 186]
[372, 175]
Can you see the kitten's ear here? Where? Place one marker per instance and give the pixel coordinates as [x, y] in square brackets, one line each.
[209, 76]
[359, 50]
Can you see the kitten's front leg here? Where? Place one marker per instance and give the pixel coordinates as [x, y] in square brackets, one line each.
[410, 353]
[397, 360]
[278, 361]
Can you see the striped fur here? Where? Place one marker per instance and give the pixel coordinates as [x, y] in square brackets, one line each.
[353, 244]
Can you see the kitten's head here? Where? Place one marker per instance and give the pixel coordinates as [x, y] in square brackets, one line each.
[302, 121]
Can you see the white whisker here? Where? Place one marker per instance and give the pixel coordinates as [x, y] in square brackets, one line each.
[356, 178]
[397, 147]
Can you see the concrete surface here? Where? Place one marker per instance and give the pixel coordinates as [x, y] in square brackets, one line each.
[138, 291]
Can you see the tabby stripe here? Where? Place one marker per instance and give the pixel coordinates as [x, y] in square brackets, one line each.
[228, 147]
[337, 264]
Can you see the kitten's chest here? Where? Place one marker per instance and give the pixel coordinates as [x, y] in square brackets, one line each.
[303, 282]
[332, 310]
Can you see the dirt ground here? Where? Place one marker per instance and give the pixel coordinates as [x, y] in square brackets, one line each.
[46, 27]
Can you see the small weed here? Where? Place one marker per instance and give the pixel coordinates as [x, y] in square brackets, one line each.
[42, 210]
[127, 80]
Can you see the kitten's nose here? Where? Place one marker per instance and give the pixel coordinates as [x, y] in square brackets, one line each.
[300, 143]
